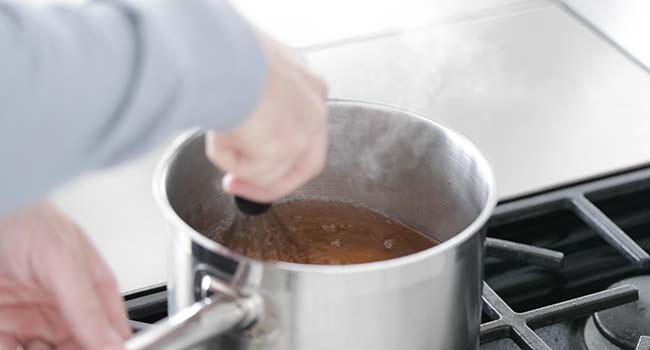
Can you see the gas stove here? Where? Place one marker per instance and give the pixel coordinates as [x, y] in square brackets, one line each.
[567, 269]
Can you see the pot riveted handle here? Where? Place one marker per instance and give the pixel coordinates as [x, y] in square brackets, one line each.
[201, 321]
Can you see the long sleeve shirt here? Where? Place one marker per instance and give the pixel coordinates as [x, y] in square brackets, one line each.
[89, 86]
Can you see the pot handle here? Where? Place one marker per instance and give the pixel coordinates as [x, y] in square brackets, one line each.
[211, 316]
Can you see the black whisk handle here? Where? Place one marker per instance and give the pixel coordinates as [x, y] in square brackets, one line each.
[251, 208]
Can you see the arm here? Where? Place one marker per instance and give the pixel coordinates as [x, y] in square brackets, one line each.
[86, 87]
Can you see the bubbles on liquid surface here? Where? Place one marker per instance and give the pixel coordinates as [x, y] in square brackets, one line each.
[331, 233]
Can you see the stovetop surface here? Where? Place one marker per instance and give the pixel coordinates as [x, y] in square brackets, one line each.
[552, 258]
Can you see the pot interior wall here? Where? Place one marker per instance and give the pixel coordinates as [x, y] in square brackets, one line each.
[406, 167]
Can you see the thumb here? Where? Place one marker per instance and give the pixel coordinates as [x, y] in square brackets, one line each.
[71, 282]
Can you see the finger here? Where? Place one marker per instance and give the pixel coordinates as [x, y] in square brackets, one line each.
[317, 82]
[70, 281]
[28, 323]
[220, 151]
[249, 191]
[107, 288]
[37, 344]
[8, 342]
[273, 175]
[265, 172]
[266, 168]
[255, 167]
[70, 346]
[309, 165]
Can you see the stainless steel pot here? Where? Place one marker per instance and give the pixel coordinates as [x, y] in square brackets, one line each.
[406, 166]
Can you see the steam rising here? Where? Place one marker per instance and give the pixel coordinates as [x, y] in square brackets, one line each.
[426, 71]
[381, 147]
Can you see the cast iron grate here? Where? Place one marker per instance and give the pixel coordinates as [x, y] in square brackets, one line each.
[519, 326]
[644, 343]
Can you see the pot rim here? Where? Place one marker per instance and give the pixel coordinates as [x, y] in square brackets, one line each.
[160, 193]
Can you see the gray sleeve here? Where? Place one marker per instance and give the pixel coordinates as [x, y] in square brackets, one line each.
[86, 87]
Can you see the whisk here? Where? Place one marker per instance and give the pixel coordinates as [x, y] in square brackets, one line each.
[257, 232]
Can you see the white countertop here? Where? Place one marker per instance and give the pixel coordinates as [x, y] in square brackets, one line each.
[546, 99]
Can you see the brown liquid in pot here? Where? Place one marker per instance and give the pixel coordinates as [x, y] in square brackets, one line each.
[334, 233]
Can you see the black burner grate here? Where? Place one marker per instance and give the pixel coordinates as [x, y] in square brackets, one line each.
[644, 343]
[512, 251]
[576, 199]
[519, 326]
